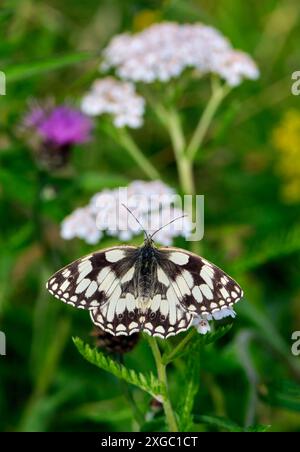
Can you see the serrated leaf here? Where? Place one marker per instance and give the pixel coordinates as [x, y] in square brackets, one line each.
[214, 336]
[147, 383]
[202, 340]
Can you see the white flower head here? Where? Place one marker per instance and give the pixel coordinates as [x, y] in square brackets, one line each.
[201, 325]
[116, 98]
[201, 322]
[163, 51]
[152, 203]
[81, 223]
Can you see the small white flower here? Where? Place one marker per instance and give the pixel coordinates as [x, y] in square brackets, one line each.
[116, 98]
[201, 325]
[201, 322]
[234, 66]
[152, 203]
[81, 224]
[163, 51]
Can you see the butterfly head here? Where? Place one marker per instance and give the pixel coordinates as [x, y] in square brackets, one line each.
[148, 241]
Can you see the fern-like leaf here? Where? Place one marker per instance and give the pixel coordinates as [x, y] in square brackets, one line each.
[148, 383]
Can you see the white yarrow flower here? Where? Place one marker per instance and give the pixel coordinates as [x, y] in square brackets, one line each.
[81, 224]
[116, 98]
[163, 51]
[151, 202]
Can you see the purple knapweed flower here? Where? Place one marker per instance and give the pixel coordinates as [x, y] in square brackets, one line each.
[53, 130]
[64, 126]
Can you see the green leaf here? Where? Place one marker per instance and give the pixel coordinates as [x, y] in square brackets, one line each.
[147, 383]
[24, 70]
[219, 422]
[214, 336]
[284, 394]
[228, 425]
[205, 339]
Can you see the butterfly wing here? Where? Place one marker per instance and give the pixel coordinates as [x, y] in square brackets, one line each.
[124, 315]
[201, 287]
[183, 285]
[89, 282]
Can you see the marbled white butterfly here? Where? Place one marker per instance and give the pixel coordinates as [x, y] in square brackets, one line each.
[156, 290]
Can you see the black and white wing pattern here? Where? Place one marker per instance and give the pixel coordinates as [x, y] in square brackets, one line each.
[119, 287]
[155, 290]
[202, 287]
[88, 282]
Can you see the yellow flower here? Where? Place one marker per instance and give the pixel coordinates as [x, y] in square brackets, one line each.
[286, 139]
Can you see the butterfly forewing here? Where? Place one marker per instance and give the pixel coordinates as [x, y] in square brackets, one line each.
[202, 287]
[88, 282]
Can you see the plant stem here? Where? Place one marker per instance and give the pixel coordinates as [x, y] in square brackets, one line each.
[168, 357]
[132, 148]
[162, 375]
[184, 165]
[218, 94]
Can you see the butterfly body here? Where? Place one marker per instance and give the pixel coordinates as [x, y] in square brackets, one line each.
[156, 290]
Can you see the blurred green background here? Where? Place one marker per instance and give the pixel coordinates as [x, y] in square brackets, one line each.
[249, 172]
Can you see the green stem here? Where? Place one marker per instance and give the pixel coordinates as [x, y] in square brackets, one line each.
[184, 165]
[162, 375]
[218, 94]
[168, 357]
[137, 155]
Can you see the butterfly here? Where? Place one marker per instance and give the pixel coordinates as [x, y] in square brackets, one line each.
[159, 291]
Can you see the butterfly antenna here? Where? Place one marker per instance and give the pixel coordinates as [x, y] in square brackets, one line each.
[136, 220]
[170, 222]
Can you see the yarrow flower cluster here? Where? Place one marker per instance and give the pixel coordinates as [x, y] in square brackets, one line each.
[152, 203]
[53, 130]
[117, 99]
[165, 50]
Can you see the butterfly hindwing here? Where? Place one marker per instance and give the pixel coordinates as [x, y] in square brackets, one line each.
[125, 315]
